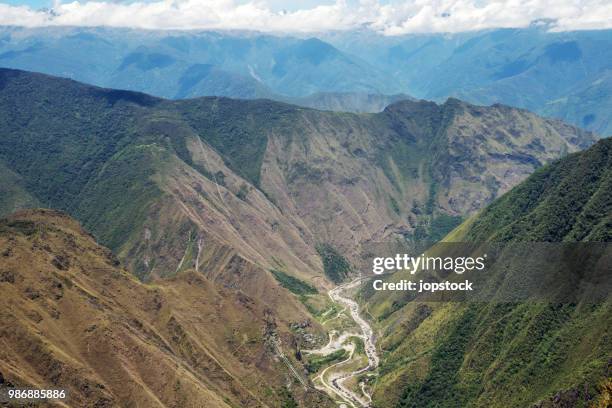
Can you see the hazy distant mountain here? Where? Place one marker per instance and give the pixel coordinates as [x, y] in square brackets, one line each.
[529, 68]
[357, 102]
[186, 64]
[588, 105]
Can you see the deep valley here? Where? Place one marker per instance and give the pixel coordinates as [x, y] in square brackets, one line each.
[207, 251]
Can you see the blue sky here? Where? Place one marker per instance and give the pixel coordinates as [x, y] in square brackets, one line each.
[32, 3]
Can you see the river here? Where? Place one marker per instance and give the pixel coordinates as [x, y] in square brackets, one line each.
[335, 382]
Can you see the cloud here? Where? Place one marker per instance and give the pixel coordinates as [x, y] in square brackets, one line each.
[394, 18]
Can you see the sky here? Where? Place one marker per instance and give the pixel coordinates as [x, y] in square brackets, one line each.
[390, 17]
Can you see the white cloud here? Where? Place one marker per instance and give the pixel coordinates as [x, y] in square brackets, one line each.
[393, 18]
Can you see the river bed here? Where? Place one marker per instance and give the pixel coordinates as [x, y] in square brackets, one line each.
[335, 382]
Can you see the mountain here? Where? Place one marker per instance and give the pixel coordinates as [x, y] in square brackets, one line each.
[235, 216]
[588, 104]
[206, 79]
[499, 354]
[528, 67]
[356, 102]
[73, 318]
[558, 74]
[179, 64]
[263, 204]
[568, 201]
[201, 182]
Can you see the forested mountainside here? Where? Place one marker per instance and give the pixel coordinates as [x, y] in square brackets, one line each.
[72, 318]
[500, 354]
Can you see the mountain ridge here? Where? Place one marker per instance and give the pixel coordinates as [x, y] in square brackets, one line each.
[202, 161]
[262, 205]
[558, 74]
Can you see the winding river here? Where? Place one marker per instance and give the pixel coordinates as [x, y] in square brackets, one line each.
[335, 381]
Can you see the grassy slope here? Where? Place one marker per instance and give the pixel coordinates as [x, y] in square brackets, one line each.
[119, 161]
[567, 201]
[72, 316]
[507, 355]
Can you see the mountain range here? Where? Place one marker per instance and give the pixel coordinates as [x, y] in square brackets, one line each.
[227, 220]
[558, 74]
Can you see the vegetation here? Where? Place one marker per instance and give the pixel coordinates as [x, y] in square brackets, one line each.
[336, 267]
[532, 347]
[293, 284]
[287, 399]
[441, 383]
[238, 131]
[243, 192]
[320, 307]
[568, 200]
[115, 210]
[315, 363]
[482, 354]
[394, 205]
[359, 344]
[441, 225]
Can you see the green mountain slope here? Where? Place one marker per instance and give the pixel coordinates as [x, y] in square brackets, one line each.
[567, 201]
[13, 194]
[517, 354]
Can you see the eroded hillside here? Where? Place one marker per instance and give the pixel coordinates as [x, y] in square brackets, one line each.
[72, 317]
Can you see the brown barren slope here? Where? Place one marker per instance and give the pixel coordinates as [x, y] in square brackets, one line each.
[71, 317]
